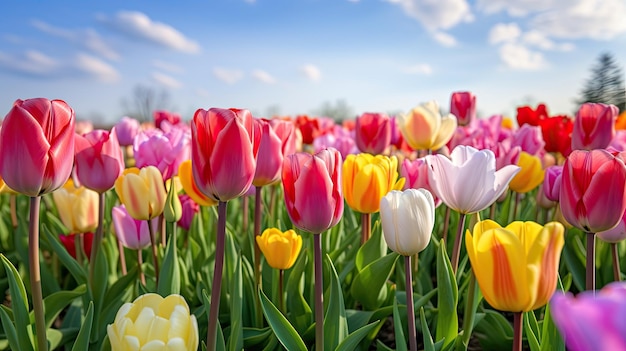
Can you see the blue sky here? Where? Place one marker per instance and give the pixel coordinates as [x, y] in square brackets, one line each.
[292, 56]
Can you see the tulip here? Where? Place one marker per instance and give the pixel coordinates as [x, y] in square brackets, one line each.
[185, 174]
[270, 156]
[530, 139]
[416, 174]
[161, 116]
[69, 241]
[367, 178]
[132, 233]
[594, 126]
[286, 131]
[613, 236]
[531, 174]
[142, 192]
[526, 115]
[592, 321]
[552, 182]
[190, 209]
[281, 249]
[542, 200]
[152, 322]
[557, 134]
[126, 129]
[99, 159]
[222, 153]
[35, 138]
[463, 106]
[312, 190]
[312, 127]
[77, 207]
[424, 128]
[373, 132]
[165, 150]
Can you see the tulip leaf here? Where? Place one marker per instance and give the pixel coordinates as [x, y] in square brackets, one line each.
[56, 302]
[352, 341]
[255, 336]
[494, 331]
[574, 256]
[169, 276]
[550, 337]
[19, 305]
[398, 328]
[221, 345]
[369, 286]
[235, 341]
[530, 329]
[99, 287]
[9, 330]
[429, 345]
[82, 340]
[447, 300]
[284, 331]
[300, 312]
[335, 321]
[373, 249]
[75, 269]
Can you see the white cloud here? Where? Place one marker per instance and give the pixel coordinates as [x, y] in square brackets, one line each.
[518, 56]
[538, 39]
[436, 14]
[504, 33]
[96, 68]
[30, 62]
[420, 68]
[139, 26]
[166, 66]
[230, 76]
[263, 76]
[166, 81]
[87, 39]
[444, 39]
[311, 72]
[517, 8]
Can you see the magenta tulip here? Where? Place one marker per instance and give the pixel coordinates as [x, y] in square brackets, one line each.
[552, 182]
[594, 126]
[593, 185]
[530, 139]
[36, 143]
[126, 130]
[164, 150]
[160, 116]
[99, 159]
[463, 106]
[132, 233]
[222, 152]
[340, 139]
[615, 234]
[269, 156]
[313, 193]
[416, 174]
[190, 208]
[373, 132]
[286, 131]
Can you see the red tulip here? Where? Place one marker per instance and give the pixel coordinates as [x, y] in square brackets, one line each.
[594, 126]
[463, 106]
[526, 115]
[593, 185]
[160, 116]
[36, 143]
[270, 155]
[70, 244]
[222, 152]
[557, 134]
[99, 159]
[373, 132]
[313, 192]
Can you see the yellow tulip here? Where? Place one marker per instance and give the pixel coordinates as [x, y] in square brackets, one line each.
[424, 128]
[367, 179]
[189, 185]
[280, 249]
[142, 191]
[517, 266]
[77, 207]
[152, 322]
[530, 175]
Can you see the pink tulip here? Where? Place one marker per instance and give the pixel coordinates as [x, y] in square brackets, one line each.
[160, 116]
[287, 132]
[593, 185]
[36, 143]
[126, 130]
[506, 154]
[542, 200]
[463, 106]
[164, 150]
[594, 126]
[99, 159]
[222, 152]
[416, 175]
[340, 139]
[615, 234]
[373, 132]
[312, 187]
[190, 208]
[132, 233]
[269, 156]
[552, 182]
[530, 139]
[468, 182]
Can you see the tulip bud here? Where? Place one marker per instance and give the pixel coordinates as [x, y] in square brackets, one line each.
[173, 210]
[142, 191]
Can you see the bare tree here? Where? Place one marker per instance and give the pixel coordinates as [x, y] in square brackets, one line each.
[339, 111]
[144, 101]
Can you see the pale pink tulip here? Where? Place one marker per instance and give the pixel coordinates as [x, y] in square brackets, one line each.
[99, 159]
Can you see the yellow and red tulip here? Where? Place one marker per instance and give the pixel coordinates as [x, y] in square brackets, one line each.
[142, 191]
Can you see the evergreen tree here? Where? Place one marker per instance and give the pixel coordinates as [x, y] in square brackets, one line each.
[606, 83]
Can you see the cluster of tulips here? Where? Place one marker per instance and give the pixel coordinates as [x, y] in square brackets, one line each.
[496, 226]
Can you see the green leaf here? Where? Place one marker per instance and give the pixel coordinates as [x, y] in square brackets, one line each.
[169, 276]
[19, 305]
[235, 342]
[255, 336]
[56, 302]
[335, 321]
[373, 249]
[551, 339]
[352, 341]
[429, 345]
[9, 330]
[530, 329]
[447, 300]
[574, 257]
[300, 312]
[82, 340]
[100, 284]
[369, 286]
[398, 328]
[221, 345]
[284, 331]
[75, 269]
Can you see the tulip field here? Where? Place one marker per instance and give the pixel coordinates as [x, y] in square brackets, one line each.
[427, 230]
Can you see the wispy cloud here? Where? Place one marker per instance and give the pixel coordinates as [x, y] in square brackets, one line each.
[85, 39]
[263, 76]
[436, 15]
[96, 68]
[167, 66]
[31, 62]
[520, 57]
[138, 25]
[166, 81]
[420, 68]
[445, 39]
[312, 72]
[229, 76]
[504, 33]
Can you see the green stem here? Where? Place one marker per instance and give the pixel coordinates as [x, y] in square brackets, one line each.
[281, 298]
[591, 262]
[35, 273]
[258, 212]
[456, 251]
[470, 309]
[155, 259]
[517, 330]
[142, 277]
[446, 224]
[617, 276]
[216, 287]
[120, 248]
[319, 293]
[366, 227]
[97, 241]
[410, 308]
